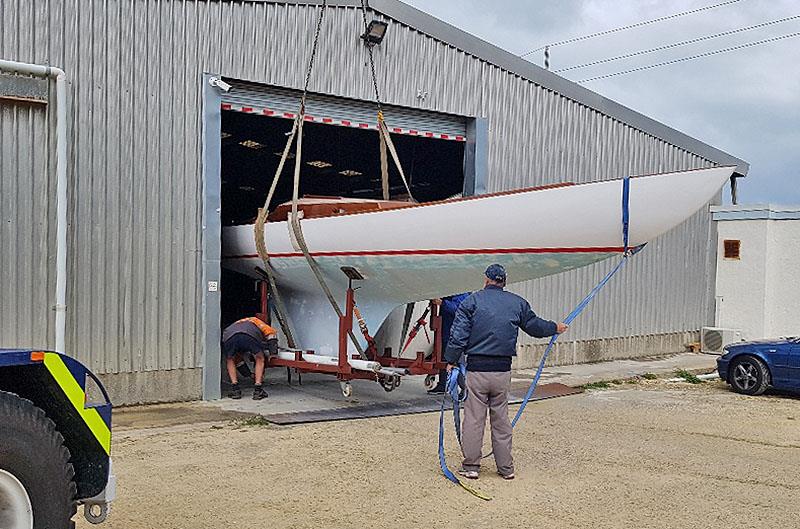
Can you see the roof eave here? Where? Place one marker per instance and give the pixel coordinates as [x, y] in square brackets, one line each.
[468, 43]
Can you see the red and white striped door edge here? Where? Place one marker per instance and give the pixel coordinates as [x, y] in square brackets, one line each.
[339, 122]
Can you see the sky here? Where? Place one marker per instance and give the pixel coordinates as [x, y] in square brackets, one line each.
[746, 102]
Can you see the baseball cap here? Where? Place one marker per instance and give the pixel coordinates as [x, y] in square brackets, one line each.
[496, 272]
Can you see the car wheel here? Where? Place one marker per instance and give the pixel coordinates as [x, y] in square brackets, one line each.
[749, 376]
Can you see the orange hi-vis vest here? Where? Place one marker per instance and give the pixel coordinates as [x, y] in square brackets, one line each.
[265, 329]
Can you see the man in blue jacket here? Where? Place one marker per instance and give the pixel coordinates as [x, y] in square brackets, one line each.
[485, 330]
[448, 306]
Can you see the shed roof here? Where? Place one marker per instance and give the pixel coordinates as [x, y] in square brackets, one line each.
[485, 51]
[755, 212]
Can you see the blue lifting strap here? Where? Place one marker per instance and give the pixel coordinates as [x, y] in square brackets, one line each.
[626, 252]
[458, 394]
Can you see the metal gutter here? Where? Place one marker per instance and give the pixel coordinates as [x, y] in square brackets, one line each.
[755, 212]
[38, 70]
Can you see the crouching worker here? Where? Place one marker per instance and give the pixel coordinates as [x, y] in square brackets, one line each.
[248, 336]
[485, 330]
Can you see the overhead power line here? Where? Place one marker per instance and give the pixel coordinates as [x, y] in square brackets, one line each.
[630, 26]
[676, 44]
[698, 56]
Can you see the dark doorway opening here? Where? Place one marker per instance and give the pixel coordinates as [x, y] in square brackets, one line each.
[337, 161]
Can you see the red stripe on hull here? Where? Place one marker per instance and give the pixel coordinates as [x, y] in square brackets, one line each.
[470, 251]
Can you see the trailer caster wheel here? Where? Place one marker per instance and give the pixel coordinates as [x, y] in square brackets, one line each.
[390, 383]
[430, 382]
[347, 389]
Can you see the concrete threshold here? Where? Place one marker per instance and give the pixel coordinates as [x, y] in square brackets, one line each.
[318, 392]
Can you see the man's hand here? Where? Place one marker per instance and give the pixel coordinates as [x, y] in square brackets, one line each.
[450, 367]
[561, 328]
[437, 301]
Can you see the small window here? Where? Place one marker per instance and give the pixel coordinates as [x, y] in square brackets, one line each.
[732, 247]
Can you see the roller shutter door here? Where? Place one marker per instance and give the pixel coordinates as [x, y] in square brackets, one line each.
[283, 103]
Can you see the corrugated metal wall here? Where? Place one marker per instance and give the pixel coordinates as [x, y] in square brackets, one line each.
[27, 269]
[135, 80]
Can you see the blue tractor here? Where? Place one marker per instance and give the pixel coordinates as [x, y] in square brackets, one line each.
[54, 443]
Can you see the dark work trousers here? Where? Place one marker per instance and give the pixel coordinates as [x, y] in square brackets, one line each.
[487, 391]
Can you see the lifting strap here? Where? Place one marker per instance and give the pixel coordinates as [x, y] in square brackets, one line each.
[383, 132]
[294, 223]
[458, 395]
[261, 245]
[301, 241]
[297, 232]
[386, 141]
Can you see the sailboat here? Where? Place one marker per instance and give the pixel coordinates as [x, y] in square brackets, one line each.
[408, 252]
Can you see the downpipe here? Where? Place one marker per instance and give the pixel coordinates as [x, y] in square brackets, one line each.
[60, 77]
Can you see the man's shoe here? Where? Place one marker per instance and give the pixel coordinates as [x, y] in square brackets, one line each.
[469, 474]
[510, 475]
[235, 392]
[259, 393]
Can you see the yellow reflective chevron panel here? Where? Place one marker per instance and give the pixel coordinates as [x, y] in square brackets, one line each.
[75, 394]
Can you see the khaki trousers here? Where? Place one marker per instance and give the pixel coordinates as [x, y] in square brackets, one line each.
[487, 390]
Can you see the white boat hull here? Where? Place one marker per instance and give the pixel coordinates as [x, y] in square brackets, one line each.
[434, 250]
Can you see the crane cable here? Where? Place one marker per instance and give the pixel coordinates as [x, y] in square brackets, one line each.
[295, 217]
[383, 131]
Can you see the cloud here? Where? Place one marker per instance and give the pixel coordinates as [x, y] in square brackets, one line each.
[745, 102]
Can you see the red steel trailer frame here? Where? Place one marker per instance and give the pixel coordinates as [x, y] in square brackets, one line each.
[420, 365]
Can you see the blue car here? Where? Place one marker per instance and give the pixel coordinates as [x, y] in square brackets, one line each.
[752, 367]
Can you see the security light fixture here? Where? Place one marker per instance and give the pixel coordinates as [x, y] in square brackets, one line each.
[376, 30]
[251, 144]
[319, 164]
[219, 83]
[350, 172]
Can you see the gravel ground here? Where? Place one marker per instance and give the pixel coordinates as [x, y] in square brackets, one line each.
[647, 455]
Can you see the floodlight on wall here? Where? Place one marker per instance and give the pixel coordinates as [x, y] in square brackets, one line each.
[251, 144]
[376, 30]
[349, 172]
[320, 164]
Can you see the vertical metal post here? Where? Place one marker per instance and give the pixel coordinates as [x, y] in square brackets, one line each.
[476, 161]
[211, 240]
[345, 325]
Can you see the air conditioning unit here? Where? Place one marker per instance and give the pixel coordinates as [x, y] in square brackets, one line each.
[713, 339]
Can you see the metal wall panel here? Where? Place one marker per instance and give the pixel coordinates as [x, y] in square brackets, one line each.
[135, 72]
[27, 270]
